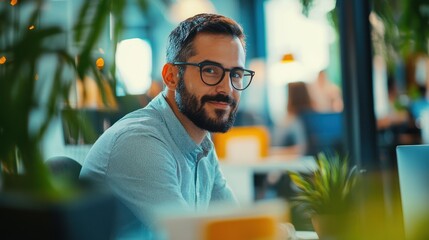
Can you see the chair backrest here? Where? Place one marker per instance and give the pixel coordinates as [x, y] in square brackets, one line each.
[413, 172]
[243, 143]
[65, 167]
[324, 132]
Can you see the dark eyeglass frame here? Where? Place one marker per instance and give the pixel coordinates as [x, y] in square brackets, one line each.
[231, 72]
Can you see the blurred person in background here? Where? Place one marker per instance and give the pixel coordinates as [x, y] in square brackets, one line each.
[326, 95]
[289, 138]
[290, 134]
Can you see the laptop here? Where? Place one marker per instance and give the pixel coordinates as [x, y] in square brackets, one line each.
[413, 171]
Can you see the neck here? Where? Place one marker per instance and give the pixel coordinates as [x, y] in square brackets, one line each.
[197, 134]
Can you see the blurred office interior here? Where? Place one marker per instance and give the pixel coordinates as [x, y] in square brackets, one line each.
[379, 76]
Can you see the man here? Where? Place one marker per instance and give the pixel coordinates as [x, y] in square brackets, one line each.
[162, 154]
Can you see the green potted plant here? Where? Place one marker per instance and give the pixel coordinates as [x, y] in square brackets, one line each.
[326, 193]
[37, 72]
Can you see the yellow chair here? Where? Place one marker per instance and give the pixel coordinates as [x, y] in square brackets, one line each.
[254, 140]
[244, 228]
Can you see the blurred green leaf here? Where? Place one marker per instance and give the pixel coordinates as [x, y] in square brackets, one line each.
[21, 86]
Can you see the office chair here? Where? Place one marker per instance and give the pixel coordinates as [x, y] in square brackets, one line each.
[255, 139]
[324, 132]
[64, 167]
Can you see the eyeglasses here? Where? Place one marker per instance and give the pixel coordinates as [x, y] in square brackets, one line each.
[212, 73]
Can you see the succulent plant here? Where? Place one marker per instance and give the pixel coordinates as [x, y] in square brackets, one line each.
[328, 189]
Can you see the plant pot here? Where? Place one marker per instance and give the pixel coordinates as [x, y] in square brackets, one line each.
[327, 226]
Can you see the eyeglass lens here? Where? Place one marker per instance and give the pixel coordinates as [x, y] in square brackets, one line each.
[213, 74]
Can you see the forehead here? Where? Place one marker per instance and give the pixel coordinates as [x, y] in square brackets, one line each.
[224, 49]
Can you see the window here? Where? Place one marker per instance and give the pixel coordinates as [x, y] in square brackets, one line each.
[133, 67]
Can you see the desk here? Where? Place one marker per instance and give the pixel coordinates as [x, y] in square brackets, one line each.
[239, 174]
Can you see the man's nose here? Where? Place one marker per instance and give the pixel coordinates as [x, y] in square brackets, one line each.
[226, 84]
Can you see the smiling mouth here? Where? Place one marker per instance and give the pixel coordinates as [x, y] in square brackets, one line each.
[220, 104]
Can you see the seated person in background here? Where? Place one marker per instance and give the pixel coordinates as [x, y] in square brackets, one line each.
[327, 96]
[163, 154]
[89, 95]
[290, 135]
[289, 138]
[396, 114]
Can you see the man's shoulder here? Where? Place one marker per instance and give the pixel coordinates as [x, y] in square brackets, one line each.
[139, 125]
[153, 114]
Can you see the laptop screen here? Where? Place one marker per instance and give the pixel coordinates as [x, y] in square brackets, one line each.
[413, 171]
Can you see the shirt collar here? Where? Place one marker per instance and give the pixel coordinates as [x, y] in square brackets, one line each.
[177, 131]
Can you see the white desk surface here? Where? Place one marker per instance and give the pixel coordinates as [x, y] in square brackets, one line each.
[270, 163]
[306, 235]
[239, 173]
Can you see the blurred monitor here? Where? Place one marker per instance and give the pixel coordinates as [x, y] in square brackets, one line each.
[84, 126]
[413, 171]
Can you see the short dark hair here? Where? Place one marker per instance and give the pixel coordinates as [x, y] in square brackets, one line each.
[180, 41]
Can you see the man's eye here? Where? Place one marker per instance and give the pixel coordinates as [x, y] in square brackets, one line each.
[237, 74]
[212, 70]
[208, 70]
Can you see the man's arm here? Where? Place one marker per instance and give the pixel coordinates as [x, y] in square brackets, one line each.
[221, 191]
[143, 173]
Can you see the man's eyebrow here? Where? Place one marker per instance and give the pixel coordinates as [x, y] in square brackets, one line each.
[209, 61]
[216, 63]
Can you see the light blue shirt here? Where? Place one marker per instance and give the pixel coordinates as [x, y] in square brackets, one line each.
[148, 159]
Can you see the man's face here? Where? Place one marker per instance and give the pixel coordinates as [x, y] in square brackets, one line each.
[212, 108]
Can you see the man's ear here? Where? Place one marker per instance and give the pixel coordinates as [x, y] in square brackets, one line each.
[170, 76]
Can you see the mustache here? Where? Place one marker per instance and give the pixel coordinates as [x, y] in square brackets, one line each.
[219, 98]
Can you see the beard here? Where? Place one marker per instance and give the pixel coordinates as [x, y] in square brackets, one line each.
[193, 109]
